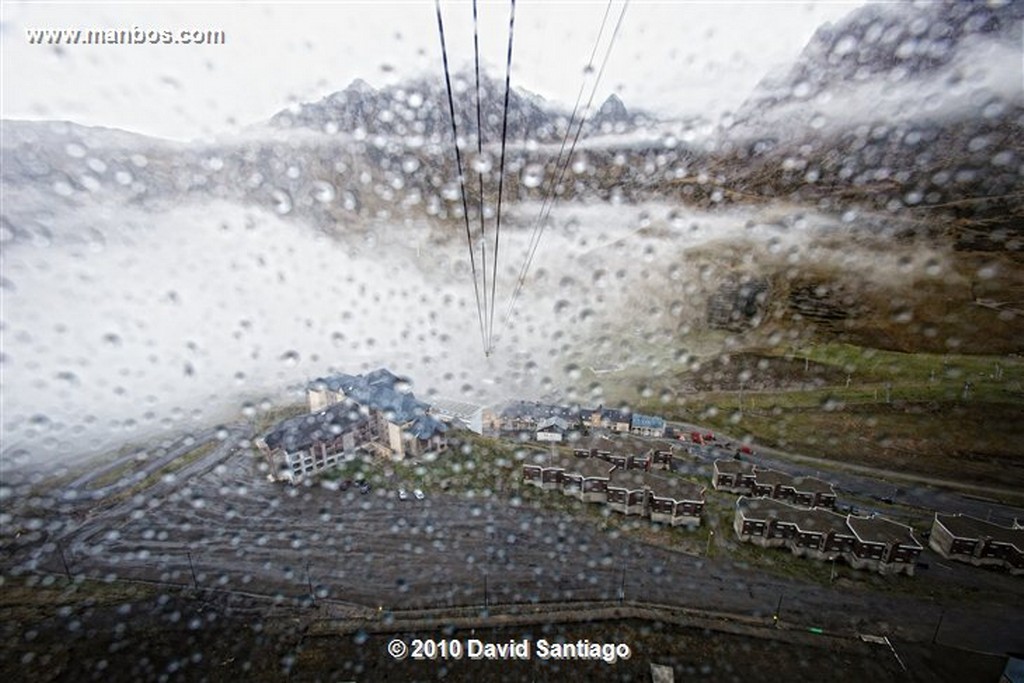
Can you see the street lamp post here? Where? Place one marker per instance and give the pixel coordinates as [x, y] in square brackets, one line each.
[711, 536]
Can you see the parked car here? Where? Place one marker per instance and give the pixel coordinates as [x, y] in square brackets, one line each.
[418, 493]
[403, 494]
[345, 484]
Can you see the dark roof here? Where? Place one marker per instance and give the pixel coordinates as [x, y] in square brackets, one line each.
[426, 426]
[813, 519]
[615, 416]
[673, 487]
[539, 411]
[812, 484]
[381, 390]
[588, 467]
[769, 477]
[299, 433]
[964, 526]
[661, 486]
[733, 467]
[881, 530]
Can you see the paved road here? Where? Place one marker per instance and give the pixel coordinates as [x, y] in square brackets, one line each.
[927, 493]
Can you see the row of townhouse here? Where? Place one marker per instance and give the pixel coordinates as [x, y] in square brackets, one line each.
[554, 422]
[667, 500]
[737, 476]
[651, 459]
[872, 543]
[351, 413]
[978, 542]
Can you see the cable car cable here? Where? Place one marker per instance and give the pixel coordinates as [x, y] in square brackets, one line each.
[462, 179]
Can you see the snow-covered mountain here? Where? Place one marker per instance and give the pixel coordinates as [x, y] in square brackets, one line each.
[418, 108]
[898, 105]
[893, 63]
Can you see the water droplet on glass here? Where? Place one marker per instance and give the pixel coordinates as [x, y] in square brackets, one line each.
[533, 175]
[282, 201]
[323, 191]
[482, 163]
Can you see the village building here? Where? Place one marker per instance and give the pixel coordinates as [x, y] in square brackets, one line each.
[401, 425]
[647, 426]
[732, 476]
[675, 501]
[585, 479]
[616, 420]
[977, 542]
[627, 492]
[461, 414]
[662, 460]
[301, 446]
[864, 543]
[666, 500]
[526, 416]
[663, 499]
[816, 533]
[737, 476]
[552, 429]
[883, 545]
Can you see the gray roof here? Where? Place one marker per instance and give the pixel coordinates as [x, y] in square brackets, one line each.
[615, 416]
[881, 530]
[539, 411]
[454, 407]
[768, 477]
[661, 486]
[812, 484]
[807, 519]
[733, 467]
[964, 526]
[425, 426]
[588, 467]
[556, 422]
[299, 433]
[381, 390]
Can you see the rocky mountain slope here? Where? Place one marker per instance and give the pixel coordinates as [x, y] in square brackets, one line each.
[418, 108]
[900, 106]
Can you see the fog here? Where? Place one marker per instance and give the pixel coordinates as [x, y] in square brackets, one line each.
[121, 321]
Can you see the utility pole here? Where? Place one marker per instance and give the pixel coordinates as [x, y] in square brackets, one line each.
[195, 581]
[711, 536]
[778, 609]
[63, 560]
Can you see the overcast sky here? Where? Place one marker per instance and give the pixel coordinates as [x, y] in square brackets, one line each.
[671, 57]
